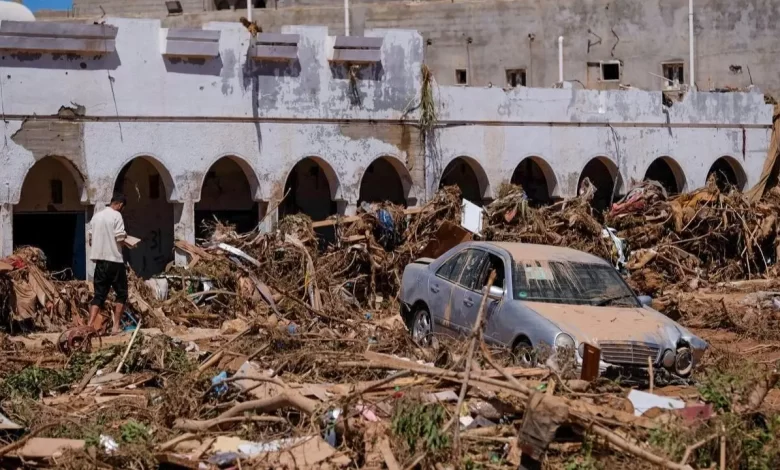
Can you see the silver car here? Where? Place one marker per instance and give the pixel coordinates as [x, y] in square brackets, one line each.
[543, 295]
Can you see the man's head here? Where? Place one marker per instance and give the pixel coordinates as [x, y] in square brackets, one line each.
[118, 202]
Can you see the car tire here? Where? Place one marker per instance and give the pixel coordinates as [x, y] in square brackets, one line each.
[523, 354]
[422, 327]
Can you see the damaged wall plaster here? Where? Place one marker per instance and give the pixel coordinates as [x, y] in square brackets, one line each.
[269, 117]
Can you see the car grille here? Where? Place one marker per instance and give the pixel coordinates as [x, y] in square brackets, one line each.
[628, 352]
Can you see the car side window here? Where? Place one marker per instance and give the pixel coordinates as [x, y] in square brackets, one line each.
[470, 279]
[452, 268]
[493, 263]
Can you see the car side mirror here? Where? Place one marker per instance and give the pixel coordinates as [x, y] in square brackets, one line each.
[645, 300]
[496, 293]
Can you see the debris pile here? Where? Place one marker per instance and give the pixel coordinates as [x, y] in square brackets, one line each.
[273, 350]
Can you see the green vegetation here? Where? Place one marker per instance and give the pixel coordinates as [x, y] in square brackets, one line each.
[419, 426]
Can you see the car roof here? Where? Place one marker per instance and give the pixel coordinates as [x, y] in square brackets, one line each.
[533, 252]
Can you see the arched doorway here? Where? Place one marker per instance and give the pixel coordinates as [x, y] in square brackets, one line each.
[226, 196]
[604, 174]
[468, 175]
[310, 188]
[51, 217]
[537, 179]
[727, 172]
[382, 182]
[147, 185]
[668, 173]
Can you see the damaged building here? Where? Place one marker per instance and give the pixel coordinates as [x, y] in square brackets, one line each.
[211, 123]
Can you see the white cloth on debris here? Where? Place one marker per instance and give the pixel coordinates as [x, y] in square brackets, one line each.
[107, 231]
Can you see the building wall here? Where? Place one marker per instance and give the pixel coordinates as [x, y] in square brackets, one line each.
[734, 41]
[182, 117]
[135, 7]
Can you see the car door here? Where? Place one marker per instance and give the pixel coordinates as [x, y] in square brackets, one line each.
[440, 289]
[498, 322]
[467, 296]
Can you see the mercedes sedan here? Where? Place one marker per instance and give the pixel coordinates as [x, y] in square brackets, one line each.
[543, 295]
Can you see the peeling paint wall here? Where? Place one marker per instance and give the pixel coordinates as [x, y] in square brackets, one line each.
[184, 116]
[734, 40]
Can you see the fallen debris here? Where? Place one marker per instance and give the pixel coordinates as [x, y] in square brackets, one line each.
[274, 350]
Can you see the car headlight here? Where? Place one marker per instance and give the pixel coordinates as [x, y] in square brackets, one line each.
[564, 341]
[683, 362]
[668, 359]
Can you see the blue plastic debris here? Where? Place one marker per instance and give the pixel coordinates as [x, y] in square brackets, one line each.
[128, 322]
[387, 235]
[220, 388]
[369, 316]
[292, 328]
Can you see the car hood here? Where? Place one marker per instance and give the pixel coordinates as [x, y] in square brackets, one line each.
[593, 324]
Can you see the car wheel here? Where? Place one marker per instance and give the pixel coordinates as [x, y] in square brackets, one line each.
[422, 327]
[523, 354]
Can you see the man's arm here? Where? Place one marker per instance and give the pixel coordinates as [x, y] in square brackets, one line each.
[119, 229]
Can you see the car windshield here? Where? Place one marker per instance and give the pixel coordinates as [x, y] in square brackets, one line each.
[570, 283]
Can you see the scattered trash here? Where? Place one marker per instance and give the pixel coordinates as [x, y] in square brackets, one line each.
[108, 444]
[218, 385]
[643, 402]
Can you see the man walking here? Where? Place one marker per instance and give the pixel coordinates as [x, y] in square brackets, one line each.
[106, 237]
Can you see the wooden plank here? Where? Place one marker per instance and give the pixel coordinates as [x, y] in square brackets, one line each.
[590, 363]
[354, 218]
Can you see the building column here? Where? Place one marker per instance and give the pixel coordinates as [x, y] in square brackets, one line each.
[183, 228]
[6, 230]
[268, 215]
[346, 208]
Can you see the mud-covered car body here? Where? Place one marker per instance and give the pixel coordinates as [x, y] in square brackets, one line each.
[544, 295]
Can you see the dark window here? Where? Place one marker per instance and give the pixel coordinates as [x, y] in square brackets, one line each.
[570, 283]
[515, 77]
[610, 71]
[240, 4]
[452, 268]
[56, 191]
[174, 7]
[674, 72]
[472, 271]
[461, 77]
[154, 186]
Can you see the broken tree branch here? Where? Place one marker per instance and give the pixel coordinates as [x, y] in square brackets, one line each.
[288, 399]
[476, 335]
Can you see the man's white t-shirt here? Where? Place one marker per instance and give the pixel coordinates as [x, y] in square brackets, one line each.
[107, 231]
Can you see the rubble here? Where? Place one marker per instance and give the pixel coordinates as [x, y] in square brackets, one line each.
[278, 350]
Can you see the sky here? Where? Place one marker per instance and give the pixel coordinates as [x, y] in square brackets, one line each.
[35, 5]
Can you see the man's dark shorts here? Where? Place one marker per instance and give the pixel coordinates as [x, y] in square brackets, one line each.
[107, 275]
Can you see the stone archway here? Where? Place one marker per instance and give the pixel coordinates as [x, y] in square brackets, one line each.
[51, 202]
[668, 173]
[604, 174]
[149, 215]
[537, 179]
[468, 175]
[226, 196]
